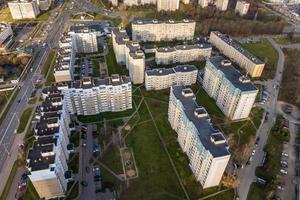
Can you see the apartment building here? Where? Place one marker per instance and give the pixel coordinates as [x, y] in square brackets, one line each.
[91, 96]
[85, 38]
[220, 4]
[230, 48]
[6, 33]
[114, 2]
[130, 54]
[24, 9]
[205, 146]
[242, 7]
[154, 30]
[63, 70]
[138, 2]
[167, 5]
[158, 79]
[182, 53]
[234, 93]
[47, 158]
[44, 4]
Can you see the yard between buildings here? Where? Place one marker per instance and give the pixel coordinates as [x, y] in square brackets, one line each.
[24, 119]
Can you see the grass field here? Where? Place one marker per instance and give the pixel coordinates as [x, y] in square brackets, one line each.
[24, 119]
[49, 68]
[5, 15]
[50, 60]
[31, 193]
[112, 65]
[73, 193]
[255, 192]
[4, 96]
[32, 101]
[264, 51]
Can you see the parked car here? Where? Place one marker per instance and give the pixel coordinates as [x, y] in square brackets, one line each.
[285, 154]
[96, 148]
[84, 183]
[253, 152]
[257, 141]
[284, 162]
[283, 171]
[83, 136]
[279, 187]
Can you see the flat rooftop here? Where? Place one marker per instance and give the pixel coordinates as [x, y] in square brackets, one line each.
[121, 36]
[82, 28]
[167, 71]
[155, 21]
[202, 123]
[232, 74]
[238, 47]
[184, 47]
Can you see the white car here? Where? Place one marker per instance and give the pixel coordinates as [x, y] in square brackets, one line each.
[284, 162]
[280, 187]
[285, 154]
[283, 171]
[253, 152]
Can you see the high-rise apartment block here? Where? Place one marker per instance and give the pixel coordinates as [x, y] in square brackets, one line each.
[138, 2]
[130, 54]
[47, 158]
[220, 4]
[234, 94]
[5, 33]
[205, 146]
[92, 96]
[114, 2]
[242, 7]
[230, 48]
[167, 5]
[44, 4]
[145, 30]
[158, 79]
[24, 9]
[182, 53]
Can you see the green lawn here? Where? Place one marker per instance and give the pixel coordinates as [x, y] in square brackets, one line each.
[24, 119]
[74, 163]
[227, 195]
[5, 15]
[287, 41]
[264, 51]
[32, 101]
[50, 70]
[49, 62]
[112, 65]
[259, 94]
[73, 193]
[10, 179]
[255, 192]
[4, 100]
[96, 68]
[31, 193]
[4, 96]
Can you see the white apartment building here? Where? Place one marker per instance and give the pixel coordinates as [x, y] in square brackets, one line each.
[185, 1]
[182, 53]
[242, 7]
[114, 2]
[230, 48]
[24, 9]
[63, 70]
[47, 158]
[234, 94]
[92, 96]
[158, 79]
[167, 5]
[5, 32]
[205, 146]
[145, 30]
[138, 2]
[130, 54]
[220, 4]
[44, 4]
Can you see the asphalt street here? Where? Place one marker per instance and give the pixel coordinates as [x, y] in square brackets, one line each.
[247, 174]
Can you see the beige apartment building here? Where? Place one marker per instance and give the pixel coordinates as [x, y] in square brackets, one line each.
[205, 146]
[119, 40]
[24, 9]
[158, 79]
[242, 7]
[92, 96]
[182, 53]
[234, 93]
[167, 5]
[220, 4]
[155, 30]
[230, 48]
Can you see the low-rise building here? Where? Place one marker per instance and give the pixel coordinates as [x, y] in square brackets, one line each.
[24, 9]
[158, 79]
[234, 93]
[47, 158]
[92, 96]
[205, 146]
[6, 33]
[230, 48]
[242, 7]
[182, 53]
[155, 30]
[167, 5]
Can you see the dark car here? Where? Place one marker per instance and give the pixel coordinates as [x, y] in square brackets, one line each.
[19, 100]
[257, 141]
[83, 136]
[84, 183]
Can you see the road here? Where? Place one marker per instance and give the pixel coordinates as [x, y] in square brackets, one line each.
[247, 174]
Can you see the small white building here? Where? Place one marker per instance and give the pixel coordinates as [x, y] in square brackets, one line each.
[242, 7]
[24, 9]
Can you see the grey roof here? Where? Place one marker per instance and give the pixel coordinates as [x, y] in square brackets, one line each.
[167, 71]
[79, 28]
[155, 21]
[185, 68]
[184, 47]
[121, 36]
[202, 124]
[89, 82]
[232, 74]
[238, 47]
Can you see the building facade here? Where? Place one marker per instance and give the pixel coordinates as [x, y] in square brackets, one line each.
[234, 93]
[44, 4]
[158, 79]
[93, 96]
[220, 4]
[47, 158]
[138, 2]
[5, 32]
[182, 53]
[24, 9]
[167, 5]
[163, 30]
[242, 7]
[205, 146]
[130, 54]
[230, 48]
